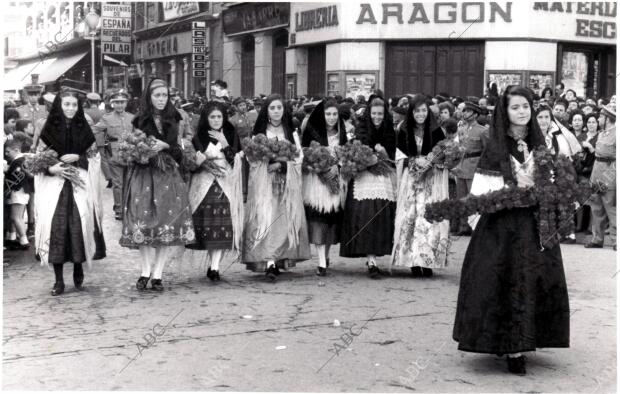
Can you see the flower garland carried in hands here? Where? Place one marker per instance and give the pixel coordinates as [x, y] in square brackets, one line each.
[446, 154]
[260, 149]
[555, 194]
[138, 148]
[39, 163]
[356, 157]
[319, 160]
[188, 162]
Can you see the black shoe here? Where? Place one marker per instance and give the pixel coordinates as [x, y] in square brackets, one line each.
[118, 216]
[156, 285]
[271, 273]
[320, 271]
[593, 245]
[37, 257]
[516, 365]
[427, 272]
[213, 274]
[141, 283]
[59, 288]
[277, 270]
[569, 241]
[416, 272]
[77, 281]
[109, 185]
[374, 272]
[19, 246]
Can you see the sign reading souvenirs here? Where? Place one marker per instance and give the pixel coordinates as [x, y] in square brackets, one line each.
[200, 54]
[587, 27]
[449, 12]
[255, 16]
[116, 31]
[317, 18]
[176, 9]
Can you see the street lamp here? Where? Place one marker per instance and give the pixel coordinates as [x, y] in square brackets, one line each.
[92, 20]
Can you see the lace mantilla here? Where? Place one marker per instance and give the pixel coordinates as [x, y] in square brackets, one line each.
[372, 187]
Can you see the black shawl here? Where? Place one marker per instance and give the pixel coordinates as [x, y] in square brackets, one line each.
[495, 158]
[370, 135]
[262, 121]
[202, 139]
[432, 132]
[67, 135]
[170, 118]
[316, 129]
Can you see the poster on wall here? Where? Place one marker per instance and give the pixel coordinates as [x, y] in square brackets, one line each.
[504, 79]
[575, 72]
[360, 84]
[539, 81]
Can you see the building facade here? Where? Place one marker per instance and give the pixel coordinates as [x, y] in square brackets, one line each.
[351, 48]
[163, 44]
[254, 47]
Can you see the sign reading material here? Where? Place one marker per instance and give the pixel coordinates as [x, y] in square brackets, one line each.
[116, 30]
[200, 49]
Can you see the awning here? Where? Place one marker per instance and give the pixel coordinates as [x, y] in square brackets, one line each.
[62, 64]
[16, 78]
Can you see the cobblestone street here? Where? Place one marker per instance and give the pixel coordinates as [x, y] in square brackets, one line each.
[343, 332]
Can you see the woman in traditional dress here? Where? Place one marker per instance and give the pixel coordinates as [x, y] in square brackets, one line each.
[276, 233]
[324, 209]
[513, 295]
[216, 200]
[68, 197]
[419, 244]
[559, 140]
[370, 206]
[156, 212]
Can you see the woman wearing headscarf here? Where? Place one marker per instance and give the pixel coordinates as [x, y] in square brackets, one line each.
[216, 201]
[323, 209]
[419, 244]
[68, 198]
[370, 206]
[512, 296]
[156, 212]
[276, 233]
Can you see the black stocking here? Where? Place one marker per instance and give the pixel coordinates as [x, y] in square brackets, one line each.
[58, 272]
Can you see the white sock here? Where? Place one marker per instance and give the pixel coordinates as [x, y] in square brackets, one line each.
[160, 262]
[270, 263]
[372, 259]
[320, 250]
[215, 256]
[11, 237]
[514, 355]
[571, 236]
[148, 258]
[23, 240]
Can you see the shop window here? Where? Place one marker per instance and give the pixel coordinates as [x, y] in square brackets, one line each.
[540, 80]
[504, 78]
[291, 86]
[333, 84]
[360, 84]
[575, 72]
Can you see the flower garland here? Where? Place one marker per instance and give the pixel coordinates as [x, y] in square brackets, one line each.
[319, 160]
[188, 162]
[555, 194]
[39, 162]
[260, 149]
[356, 157]
[446, 154]
[137, 148]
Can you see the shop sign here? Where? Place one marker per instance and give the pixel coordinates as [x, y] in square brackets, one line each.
[448, 12]
[587, 26]
[171, 45]
[116, 30]
[200, 50]
[317, 18]
[255, 16]
[177, 9]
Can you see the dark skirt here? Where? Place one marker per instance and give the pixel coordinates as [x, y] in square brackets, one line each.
[367, 227]
[212, 221]
[323, 228]
[66, 239]
[512, 296]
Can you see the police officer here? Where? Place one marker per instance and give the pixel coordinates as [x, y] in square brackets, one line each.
[473, 138]
[111, 127]
[603, 204]
[32, 111]
[242, 119]
[91, 107]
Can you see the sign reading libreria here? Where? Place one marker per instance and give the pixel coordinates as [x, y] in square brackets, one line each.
[592, 22]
